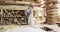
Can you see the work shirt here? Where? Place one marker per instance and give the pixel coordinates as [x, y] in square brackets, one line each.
[29, 12]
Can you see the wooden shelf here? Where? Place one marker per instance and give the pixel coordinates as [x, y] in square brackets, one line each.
[12, 17]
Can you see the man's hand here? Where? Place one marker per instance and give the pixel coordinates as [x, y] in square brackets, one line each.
[26, 16]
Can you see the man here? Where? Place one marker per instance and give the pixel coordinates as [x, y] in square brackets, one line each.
[29, 14]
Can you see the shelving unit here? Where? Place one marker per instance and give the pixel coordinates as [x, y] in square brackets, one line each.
[16, 17]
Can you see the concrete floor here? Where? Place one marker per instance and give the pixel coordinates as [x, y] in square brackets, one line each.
[54, 27]
[38, 26]
[21, 28]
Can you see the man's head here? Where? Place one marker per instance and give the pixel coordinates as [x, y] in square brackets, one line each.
[31, 5]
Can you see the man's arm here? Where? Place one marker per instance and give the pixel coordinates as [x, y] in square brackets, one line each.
[26, 12]
[29, 13]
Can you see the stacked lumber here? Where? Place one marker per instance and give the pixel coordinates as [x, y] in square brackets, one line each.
[51, 10]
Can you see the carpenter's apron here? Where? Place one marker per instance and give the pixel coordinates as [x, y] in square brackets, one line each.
[30, 18]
